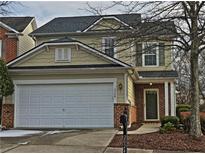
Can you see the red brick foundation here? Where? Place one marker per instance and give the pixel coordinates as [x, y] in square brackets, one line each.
[118, 111]
[8, 115]
[133, 114]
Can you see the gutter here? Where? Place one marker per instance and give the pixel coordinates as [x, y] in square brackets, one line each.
[69, 70]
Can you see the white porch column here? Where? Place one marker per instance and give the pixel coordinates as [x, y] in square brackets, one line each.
[173, 99]
[166, 97]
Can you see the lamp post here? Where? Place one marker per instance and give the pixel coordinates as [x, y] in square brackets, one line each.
[123, 121]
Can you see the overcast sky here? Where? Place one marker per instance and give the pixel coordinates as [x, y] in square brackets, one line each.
[44, 11]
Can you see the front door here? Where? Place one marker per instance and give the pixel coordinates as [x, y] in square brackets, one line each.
[151, 104]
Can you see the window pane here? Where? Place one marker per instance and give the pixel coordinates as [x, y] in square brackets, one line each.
[60, 54]
[150, 60]
[65, 54]
[109, 46]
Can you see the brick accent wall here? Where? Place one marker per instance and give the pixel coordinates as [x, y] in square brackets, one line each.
[133, 114]
[8, 115]
[140, 99]
[9, 45]
[118, 111]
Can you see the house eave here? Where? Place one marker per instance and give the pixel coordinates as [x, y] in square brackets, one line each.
[79, 33]
[20, 71]
[154, 80]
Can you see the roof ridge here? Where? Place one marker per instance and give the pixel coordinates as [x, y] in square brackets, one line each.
[17, 16]
[98, 15]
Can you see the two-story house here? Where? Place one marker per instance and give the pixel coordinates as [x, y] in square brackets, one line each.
[85, 71]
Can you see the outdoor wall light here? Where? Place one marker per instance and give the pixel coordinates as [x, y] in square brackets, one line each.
[120, 86]
[150, 83]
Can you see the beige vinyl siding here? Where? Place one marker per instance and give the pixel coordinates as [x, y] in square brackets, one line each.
[25, 41]
[118, 76]
[106, 24]
[79, 56]
[131, 90]
[125, 52]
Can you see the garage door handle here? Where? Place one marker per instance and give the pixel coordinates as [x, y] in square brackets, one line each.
[63, 110]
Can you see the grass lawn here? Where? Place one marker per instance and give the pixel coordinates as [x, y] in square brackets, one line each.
[175, 141]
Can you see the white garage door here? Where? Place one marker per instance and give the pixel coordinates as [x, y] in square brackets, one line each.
[65, 106]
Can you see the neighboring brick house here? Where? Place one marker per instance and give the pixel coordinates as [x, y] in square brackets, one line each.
[14, 39]
[77, 76]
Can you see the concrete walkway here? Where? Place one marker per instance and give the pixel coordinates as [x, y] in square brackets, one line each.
[145, 128]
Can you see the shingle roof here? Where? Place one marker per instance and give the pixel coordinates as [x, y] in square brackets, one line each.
[80, 23]
[149, 74]
[158, 28]
[17, 23]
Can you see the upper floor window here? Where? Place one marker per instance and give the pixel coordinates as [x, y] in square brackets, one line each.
[63, 54]
[108, 46]
[150, 54]
[1, 52]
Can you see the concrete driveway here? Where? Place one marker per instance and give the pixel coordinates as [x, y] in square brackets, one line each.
[76, 141]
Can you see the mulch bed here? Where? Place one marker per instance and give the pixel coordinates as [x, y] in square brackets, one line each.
[175, 141]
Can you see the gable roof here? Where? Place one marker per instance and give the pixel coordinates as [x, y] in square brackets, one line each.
[16, 23]
[67, 41]
[81, 23]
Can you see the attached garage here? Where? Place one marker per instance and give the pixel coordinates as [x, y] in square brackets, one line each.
[74, 105]
[87, 89]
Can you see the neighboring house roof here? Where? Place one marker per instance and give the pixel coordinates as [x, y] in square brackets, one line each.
[64, 41]
[16, 23]
[81, 23]
[151, 74]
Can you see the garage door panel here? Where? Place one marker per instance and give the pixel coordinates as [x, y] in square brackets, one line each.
[72, 105]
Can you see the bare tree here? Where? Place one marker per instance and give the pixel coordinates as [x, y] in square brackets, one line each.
[189, 37]
[6, 7]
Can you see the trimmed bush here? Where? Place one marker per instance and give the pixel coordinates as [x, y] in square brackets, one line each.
[185, 119]
[167, 128]
[182, 108]
[172, 119]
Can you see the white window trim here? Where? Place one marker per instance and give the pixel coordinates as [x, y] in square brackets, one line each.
[158, 114]
[111, 17]
[63, 60]
[1, 51]
[103, 47]
[144, 54]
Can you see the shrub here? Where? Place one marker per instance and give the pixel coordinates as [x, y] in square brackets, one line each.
[182, 108]
[167, 128]
[172, 119]
[202, 108]
[203, 125]
[187, 123]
